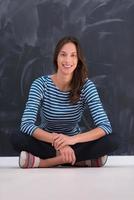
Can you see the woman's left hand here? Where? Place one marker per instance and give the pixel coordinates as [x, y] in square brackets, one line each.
[61, 140]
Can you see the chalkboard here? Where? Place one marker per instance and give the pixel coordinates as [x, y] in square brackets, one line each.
[29, 31]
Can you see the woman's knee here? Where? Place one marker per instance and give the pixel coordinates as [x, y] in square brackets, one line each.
[17, 140]
[113, 141]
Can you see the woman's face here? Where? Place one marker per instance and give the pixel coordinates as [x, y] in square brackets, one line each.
[67, 59]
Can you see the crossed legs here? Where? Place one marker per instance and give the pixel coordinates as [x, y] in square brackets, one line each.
[46, 156]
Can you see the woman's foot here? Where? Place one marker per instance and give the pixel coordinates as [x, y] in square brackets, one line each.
[99, 162]
[27, 160]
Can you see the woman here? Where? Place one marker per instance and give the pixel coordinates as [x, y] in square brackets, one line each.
[62, 97]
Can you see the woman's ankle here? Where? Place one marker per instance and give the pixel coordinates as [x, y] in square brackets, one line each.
[51, 162]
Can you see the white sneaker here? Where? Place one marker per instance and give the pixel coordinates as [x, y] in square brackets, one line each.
[27, 160]
[99, 162]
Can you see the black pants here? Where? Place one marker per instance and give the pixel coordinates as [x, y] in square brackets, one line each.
[83, 151]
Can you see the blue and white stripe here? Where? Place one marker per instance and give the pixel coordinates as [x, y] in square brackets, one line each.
[57, 114]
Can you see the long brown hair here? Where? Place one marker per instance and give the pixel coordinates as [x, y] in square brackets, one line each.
[80, 73]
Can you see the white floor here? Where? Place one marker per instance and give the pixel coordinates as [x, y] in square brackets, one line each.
[115, 181]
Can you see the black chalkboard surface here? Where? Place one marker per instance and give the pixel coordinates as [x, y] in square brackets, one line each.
[29, 31]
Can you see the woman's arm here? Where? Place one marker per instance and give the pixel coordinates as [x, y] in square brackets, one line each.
[28, 122]
[91, 135]
[92, 100]
[42, 135]
[63, 140]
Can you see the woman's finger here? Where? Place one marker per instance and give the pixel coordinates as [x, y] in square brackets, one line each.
[61, 145]
[74, 159]
[58, 142]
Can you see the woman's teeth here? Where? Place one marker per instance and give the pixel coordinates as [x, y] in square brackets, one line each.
[67, 66]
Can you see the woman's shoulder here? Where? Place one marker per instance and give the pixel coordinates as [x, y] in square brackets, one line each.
[41, 79]
[40, 82]
[88, 84]
[89, 89]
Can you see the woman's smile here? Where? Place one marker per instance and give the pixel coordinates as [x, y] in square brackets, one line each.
[67, 59]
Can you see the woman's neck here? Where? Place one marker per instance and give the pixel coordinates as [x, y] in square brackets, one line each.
[62, 82]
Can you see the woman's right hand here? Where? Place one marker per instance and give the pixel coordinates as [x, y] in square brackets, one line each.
[67, 152]
[68, 155]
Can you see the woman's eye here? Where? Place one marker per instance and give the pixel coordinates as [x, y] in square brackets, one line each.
[62, 54]
[73, 55]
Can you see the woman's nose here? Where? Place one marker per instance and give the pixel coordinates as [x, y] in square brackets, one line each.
[68, 58]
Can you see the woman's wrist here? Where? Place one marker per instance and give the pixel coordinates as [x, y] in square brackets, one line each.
[75, 139]
[52, 139]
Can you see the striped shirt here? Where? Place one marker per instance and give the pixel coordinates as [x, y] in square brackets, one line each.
[57, 113]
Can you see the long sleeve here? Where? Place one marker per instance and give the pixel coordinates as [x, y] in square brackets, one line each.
[92, 99]
[28, 122]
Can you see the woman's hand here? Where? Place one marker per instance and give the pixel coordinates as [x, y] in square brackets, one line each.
[68, 155]
[61, 140]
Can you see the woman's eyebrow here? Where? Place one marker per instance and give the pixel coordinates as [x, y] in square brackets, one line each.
[66, 52]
